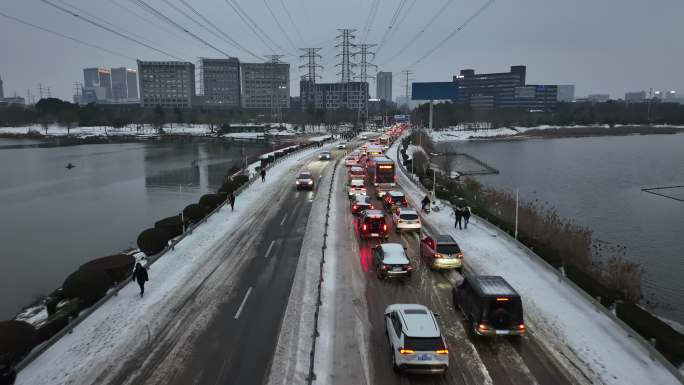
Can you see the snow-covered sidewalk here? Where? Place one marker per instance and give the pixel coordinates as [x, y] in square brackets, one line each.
[581, 337]
[106, 338]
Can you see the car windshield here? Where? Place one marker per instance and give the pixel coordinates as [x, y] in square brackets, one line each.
[448, 249]
[423, 344]
[304, 175]
[363, 199]
[510, 306]
[408, 216]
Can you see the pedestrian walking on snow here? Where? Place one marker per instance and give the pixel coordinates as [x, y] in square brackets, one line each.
[231, 200]
[263, 175]
[458, 215]
[466, 216]
[140, 276]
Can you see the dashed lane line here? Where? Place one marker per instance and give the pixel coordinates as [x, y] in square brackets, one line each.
[244, 300]
[269, 249]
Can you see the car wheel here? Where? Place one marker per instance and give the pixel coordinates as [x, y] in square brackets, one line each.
[394, 360]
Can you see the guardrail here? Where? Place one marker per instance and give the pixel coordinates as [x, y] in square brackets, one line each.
[114, 291]
[654, 354]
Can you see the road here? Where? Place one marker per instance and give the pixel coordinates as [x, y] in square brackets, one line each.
[472, 360]
[250, 283]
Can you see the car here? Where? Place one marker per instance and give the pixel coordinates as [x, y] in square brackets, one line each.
[406, 219]
[356, 172]
[360, 203]
[351, 160]
[304, 181]
[371, 224]
[490, 306]
[356, 187]
[415, 339]
[391, 261]
[441, 252]
[342, 146]
[325, 155]
[363, 137]
[393, 199]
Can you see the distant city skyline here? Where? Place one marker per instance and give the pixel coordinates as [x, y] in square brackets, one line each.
[609, 47]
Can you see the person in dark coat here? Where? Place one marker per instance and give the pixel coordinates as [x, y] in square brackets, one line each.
[425, 202]
[231, 200]
[466, 216]
[263, 175]
[140, 275]
[458, 215]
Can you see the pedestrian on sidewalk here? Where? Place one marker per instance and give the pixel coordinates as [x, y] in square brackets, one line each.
[466, 216]
[140, 275]
[458, 216]
[263, 175]
[231, 200]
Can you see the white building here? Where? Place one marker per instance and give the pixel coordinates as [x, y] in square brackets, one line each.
[566, 93]
[168, 84]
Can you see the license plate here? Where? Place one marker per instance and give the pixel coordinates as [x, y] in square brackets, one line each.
[501, 332]
[396, 268]
[425, 357]
[375, 235]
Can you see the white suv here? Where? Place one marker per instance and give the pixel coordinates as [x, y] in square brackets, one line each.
[406, 220]
[415, 340]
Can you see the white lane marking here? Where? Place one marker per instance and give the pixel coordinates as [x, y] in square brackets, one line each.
[269, 249]
[237, 315]
[284, 218]
[297, 194]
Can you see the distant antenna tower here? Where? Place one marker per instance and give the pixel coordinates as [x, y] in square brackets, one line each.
[310, 54]
[405, 74]
[346, 36]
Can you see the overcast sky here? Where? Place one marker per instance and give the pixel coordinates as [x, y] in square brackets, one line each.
[601, 46]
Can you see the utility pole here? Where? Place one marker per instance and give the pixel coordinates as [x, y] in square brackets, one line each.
[40, 90]
[366, 56]
[274, 60]
[310, 54]
[77, 89]
[49, 94]
[346, 35]
[405, 74]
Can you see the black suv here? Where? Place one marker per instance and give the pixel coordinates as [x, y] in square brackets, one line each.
[490, 306]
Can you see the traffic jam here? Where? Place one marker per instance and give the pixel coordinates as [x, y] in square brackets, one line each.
[384, 222]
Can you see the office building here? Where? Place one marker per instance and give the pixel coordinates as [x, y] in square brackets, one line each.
[384, 86]
[99, 80]
[124, 84]
[169, 84]
[220, 82]
[331, 96]
[566, 93]
[13, 100]
[635, 97]
[2, 92]
[265, 85]
[503, 90]
[598, 98]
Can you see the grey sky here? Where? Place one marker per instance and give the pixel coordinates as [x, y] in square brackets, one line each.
[609, 46]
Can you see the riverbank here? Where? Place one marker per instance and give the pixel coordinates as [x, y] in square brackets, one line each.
[485, 132]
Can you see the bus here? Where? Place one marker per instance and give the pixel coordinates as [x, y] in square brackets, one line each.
[380, 173]
[374, 150]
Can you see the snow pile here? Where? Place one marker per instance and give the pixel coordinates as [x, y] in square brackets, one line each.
[244, 135]
[453, 135]
[319, 138]
[412, 149]
[570, 326]
[106, 339]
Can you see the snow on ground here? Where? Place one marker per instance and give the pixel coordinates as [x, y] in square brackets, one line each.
[564, 320]
[126, 321]
[411, 149]
[319, 138]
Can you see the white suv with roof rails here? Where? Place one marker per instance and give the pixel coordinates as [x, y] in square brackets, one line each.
[406, 220]
[416, 343]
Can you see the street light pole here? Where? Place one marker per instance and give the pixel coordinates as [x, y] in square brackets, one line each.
[516, 213]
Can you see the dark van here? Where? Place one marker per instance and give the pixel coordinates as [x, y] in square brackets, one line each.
[490, 306]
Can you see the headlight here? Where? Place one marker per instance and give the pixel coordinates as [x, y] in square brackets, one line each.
[310, 182]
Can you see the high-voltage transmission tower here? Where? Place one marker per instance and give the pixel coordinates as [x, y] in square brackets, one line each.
[346, 36]
[274, 60]
[365, 56]
[405, 77]
[310, 54]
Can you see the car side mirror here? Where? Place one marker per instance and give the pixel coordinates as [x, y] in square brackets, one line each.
[436, 315]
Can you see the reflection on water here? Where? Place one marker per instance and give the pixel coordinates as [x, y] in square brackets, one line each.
[597, 182]
[55, 219]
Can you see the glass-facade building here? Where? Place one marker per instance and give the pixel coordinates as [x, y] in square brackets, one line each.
[169, 84]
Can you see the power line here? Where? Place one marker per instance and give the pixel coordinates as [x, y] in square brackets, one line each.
[254, 25]
[48, 2]
[146, 20]
[453, 33]
[432, 19]
[393, 21]
[289, 16]
[279, 25]
[369, 20]
[160, 15]
[401, 21]
[196, 12]
[67, 37]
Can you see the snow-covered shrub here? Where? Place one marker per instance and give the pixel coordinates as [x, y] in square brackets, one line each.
[118, 267]
[152, 241]
[193, 213]
[172, 225]
[88, 285]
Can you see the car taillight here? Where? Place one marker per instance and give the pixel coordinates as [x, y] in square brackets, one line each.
[384, 227]
[442, 351]
[459, 255]
[521, 327]
[438, 255]
[385, 267]
[406, 351]
[372, 207]
[354, 207]
[408, 267]
[483, 326]
[365, 227]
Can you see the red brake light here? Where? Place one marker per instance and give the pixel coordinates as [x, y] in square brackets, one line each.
[408, 267]
[521, 327]
[459, 255]
[385, 267]
[354, 207]
[365, 227]
[384, 227]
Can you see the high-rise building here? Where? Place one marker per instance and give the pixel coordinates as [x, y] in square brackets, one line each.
[635, 97]
[124, 84]
[220, 82]
[503, 90]
[566, 93]
[168, 84]
[98, 77]
[331, 96]
[2, 92]
[265, 85]
[384, 86]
